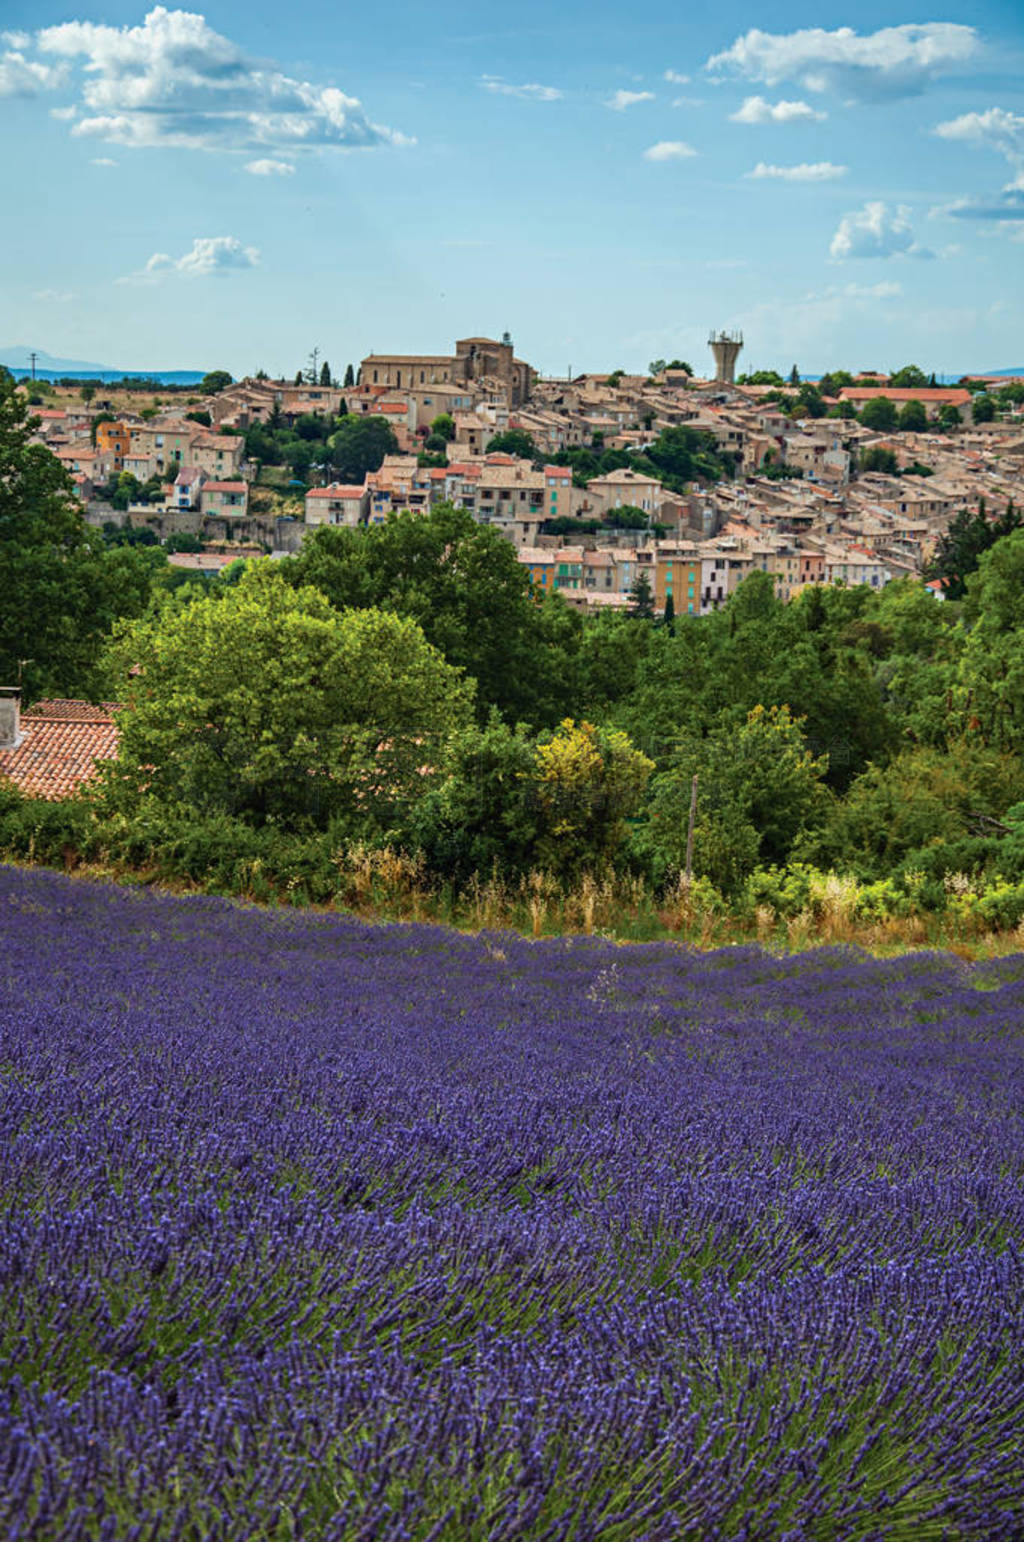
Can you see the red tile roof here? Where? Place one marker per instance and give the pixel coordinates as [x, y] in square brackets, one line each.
[61, 741]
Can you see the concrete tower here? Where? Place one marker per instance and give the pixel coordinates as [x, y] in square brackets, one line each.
[725, 346]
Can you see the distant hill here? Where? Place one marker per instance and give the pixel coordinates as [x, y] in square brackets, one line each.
[17, 358]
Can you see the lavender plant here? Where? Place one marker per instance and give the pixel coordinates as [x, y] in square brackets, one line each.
[313, 1229]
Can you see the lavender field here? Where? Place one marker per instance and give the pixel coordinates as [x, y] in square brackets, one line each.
[315, 1229]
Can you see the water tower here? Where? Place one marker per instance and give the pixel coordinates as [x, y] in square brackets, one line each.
[725, 346]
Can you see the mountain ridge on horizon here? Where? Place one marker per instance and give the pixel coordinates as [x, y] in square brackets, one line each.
[17, 356]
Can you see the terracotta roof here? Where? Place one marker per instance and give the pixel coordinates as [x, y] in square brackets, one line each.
[337, 490]
[924, 394]
[225, 487]
[61, 741]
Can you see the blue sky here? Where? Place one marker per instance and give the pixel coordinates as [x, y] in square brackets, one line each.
[232, 185]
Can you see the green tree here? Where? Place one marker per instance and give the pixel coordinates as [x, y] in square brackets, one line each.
[913, 418]
[794, 376]
[879, 414]
[263, 702]
[983, 408]
[759, 789]
[589, 781]
[878, 459]
[514, 441]
[970, 534]
[669, 616]
[809, 401]
[325, 374]
[62, 588]
[216, 381]
[681, 364]
[463, 583]
[350, 377]
[949, 416]
[199, 415]
[443, 426]
[87, 392]
[991, 673]
[482, 812]
[924, 796]
[656, 367]
[359, 445]
[641, 598]
[909, 378]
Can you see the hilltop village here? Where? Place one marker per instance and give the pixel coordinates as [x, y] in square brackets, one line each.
[599, 481]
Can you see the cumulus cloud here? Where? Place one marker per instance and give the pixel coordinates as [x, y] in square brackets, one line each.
[895, 61]
[676, 79]
[669, 150]
[269, 168]
[620, 100]
[874, 232]
[210, 256]
[757, 109]
[26, 77]
[103, 160]
[807, 171]
[995, 129]
[531, 92]
[174, 81]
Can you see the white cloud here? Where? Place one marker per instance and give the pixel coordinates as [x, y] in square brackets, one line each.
[677, 79]
[757, 109]
[620, 100]
[102, 160]
[1008, 204]
[173, 81]
[63, 114]
[54, 296]
[210, 256]
[874, 232]
[18, 40]
[669, 150]
[26, 77]
[528, 93]
[895, 61]
[886, 290]
[1002, 131]
[268, 168]
[808, 171]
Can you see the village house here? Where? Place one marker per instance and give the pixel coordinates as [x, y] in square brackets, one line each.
[338, 504]
[224, 498]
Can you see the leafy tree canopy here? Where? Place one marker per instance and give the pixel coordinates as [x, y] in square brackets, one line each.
[463, 583]
[359, 445]
[514, 441]
[62, 587]
[262, 701]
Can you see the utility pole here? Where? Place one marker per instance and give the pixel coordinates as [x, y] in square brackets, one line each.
[689, 834]
[32, 359]
[312, 366]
